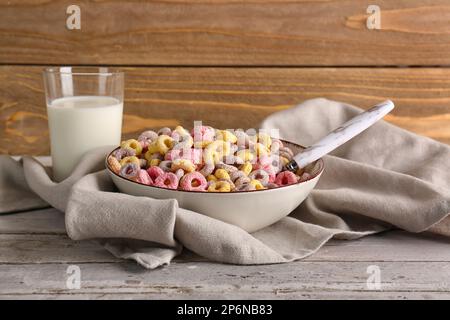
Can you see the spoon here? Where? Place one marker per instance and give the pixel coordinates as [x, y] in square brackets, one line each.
[341, 135]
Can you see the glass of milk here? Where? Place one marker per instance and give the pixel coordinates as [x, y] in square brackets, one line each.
[84, 108]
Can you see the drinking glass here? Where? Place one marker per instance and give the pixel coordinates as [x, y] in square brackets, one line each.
[84, 108]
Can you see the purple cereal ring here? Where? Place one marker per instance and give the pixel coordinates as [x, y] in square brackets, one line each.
[242, 180]
[227, 167]
[179, 173]
[154, 172]
[143, 177]
[167, 180]
[236, 175]
[129, 171]
[166, 165]
[193, 181]
[121, 153]
[285, 178]
[207, 169]
[245, 187]
[165, 131]
[260, 175]
[148, 135]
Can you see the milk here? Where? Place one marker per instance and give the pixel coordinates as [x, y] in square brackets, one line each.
[79, 124]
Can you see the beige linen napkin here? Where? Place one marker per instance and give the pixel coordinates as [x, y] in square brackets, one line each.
[386, 177]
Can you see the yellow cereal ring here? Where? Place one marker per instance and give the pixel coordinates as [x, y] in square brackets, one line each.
[216, 150]
[132, 144]
[202, 144]
[211, 178]
[219, 186]
[132, 159]
[226, 136]
[245, 155]
[163, 144]
[184, 164]
[284, 161]
[257, 184]
[261, 150]
[246, 168]
[265, 139]
[182, 131]
[155, 162]
[151, 149]
[222, 174]
[114, 164]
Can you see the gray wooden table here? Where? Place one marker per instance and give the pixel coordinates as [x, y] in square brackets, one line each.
[35, 254]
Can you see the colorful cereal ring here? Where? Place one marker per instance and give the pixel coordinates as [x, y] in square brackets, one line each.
[148, 135]
[179, 173]
[193, 181]
[129, 171]
[122, 153]
[207, 169]
[260, 175]
[114, 164]
[185, 142]
[222, 174]
[257, 184]
[203, 136]
[132, 159]
[245, 187]
[166, 165]
[167, 180]
[184, 164]
[285, 178]
[154, 172]
[219, 186]
[132, 144]
[165, 131]
[227, 167]
[144, 178]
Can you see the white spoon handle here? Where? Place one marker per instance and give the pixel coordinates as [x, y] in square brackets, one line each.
[340, 135]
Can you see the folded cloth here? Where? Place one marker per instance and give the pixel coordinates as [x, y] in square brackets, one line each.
[384, 178]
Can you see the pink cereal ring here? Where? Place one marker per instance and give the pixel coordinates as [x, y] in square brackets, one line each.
[285, 178]
[143, 177]
[195, 155]
[271, 170]
[203, 133]
[193, 181]
[167, 180]
[154, 172]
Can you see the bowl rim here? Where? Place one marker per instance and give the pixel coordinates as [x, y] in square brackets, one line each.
[319, 161]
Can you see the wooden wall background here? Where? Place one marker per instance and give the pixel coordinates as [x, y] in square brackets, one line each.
[229, 63]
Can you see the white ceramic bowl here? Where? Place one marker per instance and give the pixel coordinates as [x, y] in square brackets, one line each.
[249, 210]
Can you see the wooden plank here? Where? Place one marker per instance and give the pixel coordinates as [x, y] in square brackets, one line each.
[231, 98]
[39, 237]
[28, 248]
[212, 280]
[259, 32]
[298, 295]
[45, 221]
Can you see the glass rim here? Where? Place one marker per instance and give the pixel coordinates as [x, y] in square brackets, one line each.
[83, 70]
